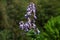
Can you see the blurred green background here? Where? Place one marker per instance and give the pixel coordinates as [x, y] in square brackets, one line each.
[13, 11]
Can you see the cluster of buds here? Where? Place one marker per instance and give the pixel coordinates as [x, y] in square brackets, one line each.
[30, 24]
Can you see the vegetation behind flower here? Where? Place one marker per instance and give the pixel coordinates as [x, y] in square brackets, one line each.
[48, 20]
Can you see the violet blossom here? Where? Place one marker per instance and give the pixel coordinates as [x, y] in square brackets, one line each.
[30, 24]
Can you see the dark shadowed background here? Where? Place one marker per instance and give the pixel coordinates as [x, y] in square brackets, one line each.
[13, 11]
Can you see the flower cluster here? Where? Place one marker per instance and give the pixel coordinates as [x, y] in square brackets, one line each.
[30, 24]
